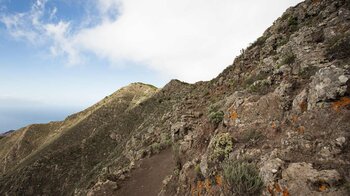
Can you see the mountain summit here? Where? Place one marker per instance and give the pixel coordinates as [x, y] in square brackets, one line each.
[275, 122]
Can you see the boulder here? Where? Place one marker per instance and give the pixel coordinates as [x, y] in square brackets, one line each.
[328, 84]
[178, 131]
[299, 104]
[269, 170]
[303, 179]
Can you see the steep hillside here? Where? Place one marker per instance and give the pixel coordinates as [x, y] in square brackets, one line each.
[275, 122]
[29, 145]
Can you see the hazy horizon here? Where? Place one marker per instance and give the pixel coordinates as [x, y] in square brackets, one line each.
[13, 119]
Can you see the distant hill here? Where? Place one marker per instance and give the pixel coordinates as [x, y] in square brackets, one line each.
[7, 132]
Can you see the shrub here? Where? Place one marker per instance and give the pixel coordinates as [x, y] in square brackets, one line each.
[216, 117]
[338, 47]
[198, 172]
[177, 157]
[221, 146]
[259, 42]
[166, 144]
[281, 42]
[255, 77]
[292, 21]
[293, 24]
[347, 187]
[307, 72]
[242, 178]
[251, 135]
[288, 58]
[261, 87]
[156, 148]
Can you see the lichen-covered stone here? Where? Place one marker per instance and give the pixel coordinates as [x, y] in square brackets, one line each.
[328, 84]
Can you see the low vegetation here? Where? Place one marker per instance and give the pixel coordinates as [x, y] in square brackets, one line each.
[215, 115]
[221, 147]
[251, 135]
[307, 72]
[259, 42]
[242, 178]
[288, 58]
[338, 47]
[293, 24]
[260, 87]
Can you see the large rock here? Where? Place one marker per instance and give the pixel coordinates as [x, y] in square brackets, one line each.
[178, 131]
[270, 169]
[103, 188]
[303, 179]
[300, 102]
[329, 83]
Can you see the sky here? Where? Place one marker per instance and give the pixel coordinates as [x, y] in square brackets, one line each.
[58, 57]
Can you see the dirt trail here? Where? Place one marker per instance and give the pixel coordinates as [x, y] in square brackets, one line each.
[147, 179]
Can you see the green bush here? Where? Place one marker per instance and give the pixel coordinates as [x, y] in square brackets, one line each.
[242, 178]
[251, 135]
[220, 147]
[165, 144]
[177, 157]
[255, 77]
[292, 21]
[307, 72]
[261, 87]
[293, 24]
[347, 187]
[288, 58]
[338, 47]
[156, 148]
[216, 117]
[259, 42]
[198, 172]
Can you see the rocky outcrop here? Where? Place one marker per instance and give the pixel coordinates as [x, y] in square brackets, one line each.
[329, 83]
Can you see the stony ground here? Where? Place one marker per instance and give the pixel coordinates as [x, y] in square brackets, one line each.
[278, 118]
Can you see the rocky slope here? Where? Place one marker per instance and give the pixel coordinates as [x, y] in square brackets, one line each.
[275, 122]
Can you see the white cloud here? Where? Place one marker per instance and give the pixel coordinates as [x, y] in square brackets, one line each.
[53, 13]
[30, 26]
[25, 25]
[107, 7]
[190, 40]
[62, 44]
